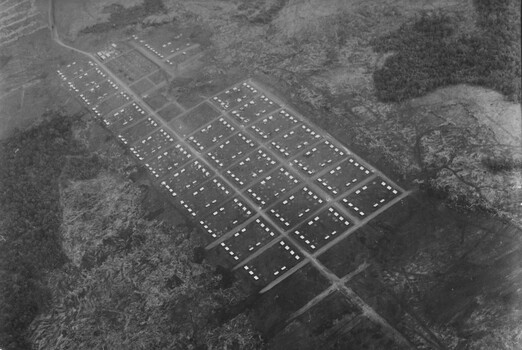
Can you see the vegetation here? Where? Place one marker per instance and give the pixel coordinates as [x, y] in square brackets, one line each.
[133, 283]
[32, 162]
[431, 53]
[121, 17]
[82, 267]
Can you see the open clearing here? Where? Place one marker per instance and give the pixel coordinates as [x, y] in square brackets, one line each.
[221, 162]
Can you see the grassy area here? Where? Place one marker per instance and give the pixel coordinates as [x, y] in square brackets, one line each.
[430, 53]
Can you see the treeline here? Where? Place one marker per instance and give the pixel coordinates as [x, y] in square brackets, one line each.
[31, 164]
[430, 53]
[121, 17]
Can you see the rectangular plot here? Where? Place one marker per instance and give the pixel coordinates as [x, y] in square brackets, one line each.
[274, 262]
[152, 144]
[276, 305]
[111, 51]
[370, 197]
[295, 208]
[187, 178]
[253, 109]
[321, 228]
[184, 55]
[343, 176]
[271, 188]
[175, 44]
[348, 254]
[211, 134]
[295, 141]
[207, 197]
[169, 112]
[231, 150]
[138, 131]
[165, 48]
[98, 92]
[124, 117]
[156, 99]
[131, 66]
[168, 161]
[235, 96]
[142, 86]
[194, 119]
[75, 69]
[110, 104]
[318, 158]
[251, 168]
[248, 240]
[273, 125]
[226, 217]
[88, 79]
[334, 311]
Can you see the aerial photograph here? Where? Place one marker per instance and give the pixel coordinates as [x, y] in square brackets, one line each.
[260, 175]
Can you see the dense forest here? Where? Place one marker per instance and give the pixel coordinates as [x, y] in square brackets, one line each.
[32, 162]
[121, 17]
[85, 267]
[431, 52]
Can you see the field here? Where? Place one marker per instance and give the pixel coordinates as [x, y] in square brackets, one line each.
[273, 125]
[142, 86]
[156, 142]
[168, 161]
[138, 131]
[184, 56]
[253, 110]
[247, 240]
[231, 150]
[295, 141]
[112, 103]
[112, 51]
[75, 69]
[273, 262]
[190, 177]
[334, 311]
[123, 118]
[320, 157]
[208, 197]
[98, 92]
[167, 44]
[234, 96]
[194, 119]
[251, 168]
[368, 198]
[344, 176]
[211, 135]
[272, 187]
[156, 98]
[296, 207]
[347, 255]
[86, 80]
[169, 112]
[321, 228]
[131, 66]
[226, 217]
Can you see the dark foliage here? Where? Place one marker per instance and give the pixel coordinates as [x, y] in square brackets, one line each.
[430, 55]
[497, 165]
[121, 17]
[32, 162]
[268, 15]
